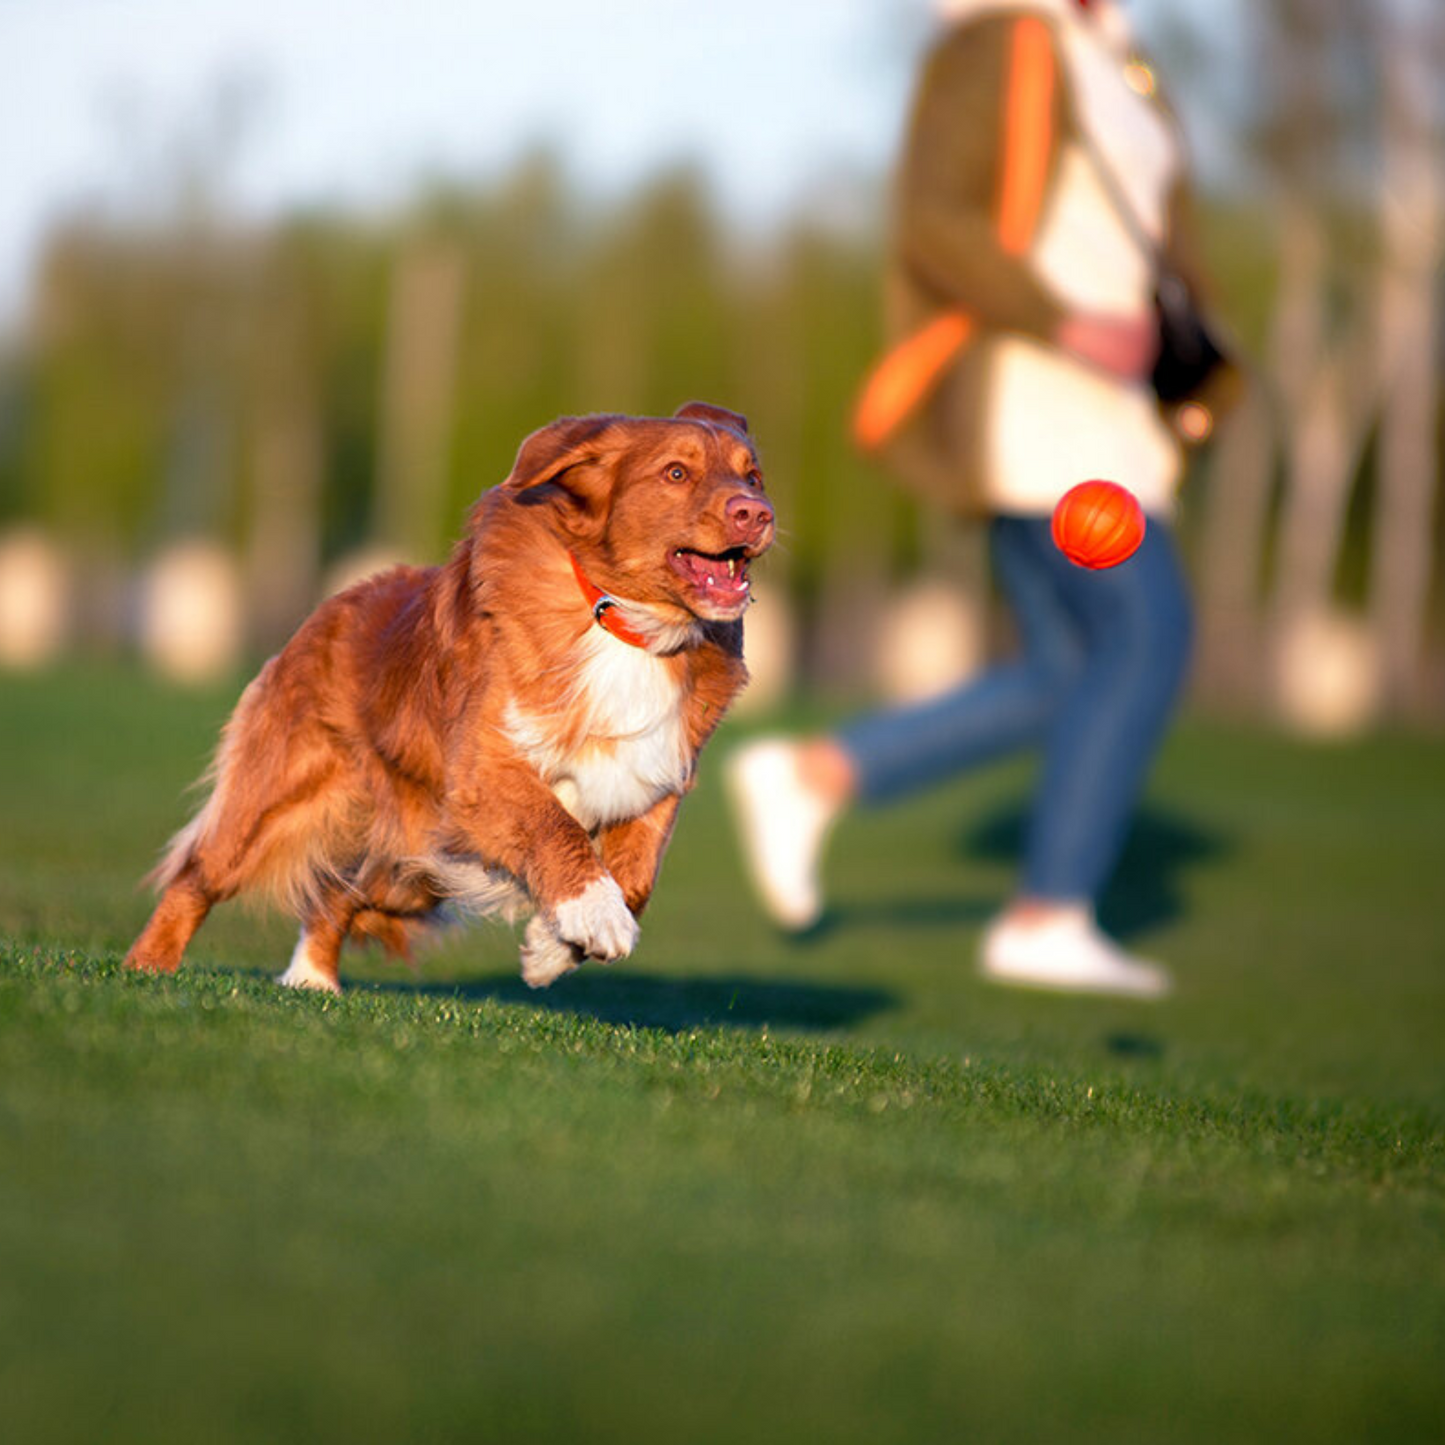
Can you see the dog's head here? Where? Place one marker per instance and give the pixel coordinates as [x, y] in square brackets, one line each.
[668, 512]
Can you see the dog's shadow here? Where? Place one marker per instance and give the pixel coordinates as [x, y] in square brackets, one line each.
[675, 1005]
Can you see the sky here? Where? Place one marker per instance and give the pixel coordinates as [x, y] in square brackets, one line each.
[352, 100]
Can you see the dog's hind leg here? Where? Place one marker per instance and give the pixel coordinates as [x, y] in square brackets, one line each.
[395, 908]
[390, 930]
[316, 961]
[182, 909]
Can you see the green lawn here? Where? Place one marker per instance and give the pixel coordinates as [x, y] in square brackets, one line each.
[737, 1189]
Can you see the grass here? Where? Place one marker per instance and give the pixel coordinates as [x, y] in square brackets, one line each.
[736, 1189]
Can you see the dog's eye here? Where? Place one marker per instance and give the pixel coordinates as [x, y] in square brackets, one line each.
[676, 472]
[755, 479]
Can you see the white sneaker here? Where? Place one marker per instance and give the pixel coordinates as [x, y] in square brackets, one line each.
[783, 825]
[1068, 954]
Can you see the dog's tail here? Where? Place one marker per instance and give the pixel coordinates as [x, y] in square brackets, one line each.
[180, 852]
[184, 847]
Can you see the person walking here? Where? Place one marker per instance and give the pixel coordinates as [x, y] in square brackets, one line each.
[1041, 197]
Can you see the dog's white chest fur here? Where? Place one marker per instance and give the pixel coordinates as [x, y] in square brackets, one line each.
[633, 748]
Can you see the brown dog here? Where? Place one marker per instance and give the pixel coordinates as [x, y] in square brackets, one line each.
[511, 730]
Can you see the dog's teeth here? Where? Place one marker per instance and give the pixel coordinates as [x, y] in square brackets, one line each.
[732, 567]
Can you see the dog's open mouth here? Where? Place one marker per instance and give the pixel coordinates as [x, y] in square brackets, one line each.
[721, 577]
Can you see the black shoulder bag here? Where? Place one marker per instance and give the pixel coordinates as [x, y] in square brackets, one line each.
[1189, 355]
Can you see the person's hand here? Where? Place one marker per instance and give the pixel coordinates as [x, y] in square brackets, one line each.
[1124, 346]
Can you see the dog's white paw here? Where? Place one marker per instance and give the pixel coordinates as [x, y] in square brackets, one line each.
[545, 956]
[598, 921]
[303, 971]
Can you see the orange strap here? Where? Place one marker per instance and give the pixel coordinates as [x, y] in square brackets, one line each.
[906, 375]
[911, 369]
[1028, 134]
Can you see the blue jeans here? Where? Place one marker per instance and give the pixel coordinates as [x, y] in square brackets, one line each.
[1100, 664]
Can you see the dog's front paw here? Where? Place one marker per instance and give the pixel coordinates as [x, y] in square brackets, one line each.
[598, 921]
[545, 956]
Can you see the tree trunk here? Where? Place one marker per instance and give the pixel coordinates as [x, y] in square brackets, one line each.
[1410, 343]
[1228, 669]
[284, 550]
[423, 330]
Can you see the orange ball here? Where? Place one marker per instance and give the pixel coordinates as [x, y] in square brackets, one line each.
[1098, 524]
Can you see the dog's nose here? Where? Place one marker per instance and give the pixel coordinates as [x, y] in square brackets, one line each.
[748, 518]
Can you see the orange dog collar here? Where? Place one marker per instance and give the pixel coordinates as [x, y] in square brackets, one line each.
[605, 608]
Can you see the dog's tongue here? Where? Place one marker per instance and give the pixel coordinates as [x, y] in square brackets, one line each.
[715, 575]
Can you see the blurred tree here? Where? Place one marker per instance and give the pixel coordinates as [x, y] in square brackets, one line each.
[1412, 223]
[1352, 147]
[14, 411]
[1322, 339]
[418, 397]
[287, 450]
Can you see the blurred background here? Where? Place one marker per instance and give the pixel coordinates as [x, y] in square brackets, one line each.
[283, 286]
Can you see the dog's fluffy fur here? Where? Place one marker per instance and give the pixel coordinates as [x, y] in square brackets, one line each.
[471, 736]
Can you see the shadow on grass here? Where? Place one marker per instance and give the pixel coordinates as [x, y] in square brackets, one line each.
[1144, 892]
[677, 1004]
[1145, 889]
[1134, 1046]
[901, 913]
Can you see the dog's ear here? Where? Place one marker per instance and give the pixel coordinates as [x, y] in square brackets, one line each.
[561, 457]
[717, 415]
